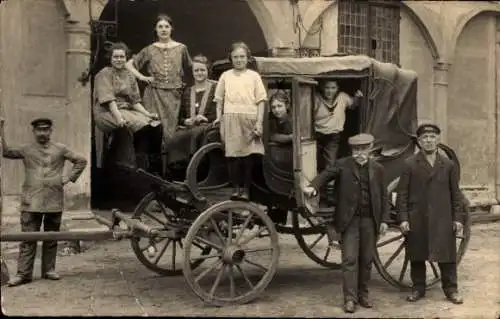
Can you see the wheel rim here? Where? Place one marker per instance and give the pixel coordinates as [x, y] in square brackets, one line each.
[313, 240]
[162, 255]
[243, 258]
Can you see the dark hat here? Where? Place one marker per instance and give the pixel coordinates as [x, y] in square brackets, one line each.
[428, 128]
[360, 139]
[41, 122]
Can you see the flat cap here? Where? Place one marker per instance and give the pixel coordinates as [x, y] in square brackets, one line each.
[360, 139]
[428, 128]
[41, 122]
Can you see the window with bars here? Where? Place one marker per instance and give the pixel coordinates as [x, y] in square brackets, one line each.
[369, 27]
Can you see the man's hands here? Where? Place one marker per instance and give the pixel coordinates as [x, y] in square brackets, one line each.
[309, 191]
[405, 227]
[358, 93]
[383, 228]
[457, 227]
[65, 180]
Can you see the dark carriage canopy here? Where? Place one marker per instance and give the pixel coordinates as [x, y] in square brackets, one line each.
[391, 116]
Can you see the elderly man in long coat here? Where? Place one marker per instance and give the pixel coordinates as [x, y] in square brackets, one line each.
[429, 205]
[361, 215]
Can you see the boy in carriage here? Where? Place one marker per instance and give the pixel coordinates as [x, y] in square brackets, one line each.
[361, 214]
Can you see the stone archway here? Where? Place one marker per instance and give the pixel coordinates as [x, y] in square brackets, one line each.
[471, 115]
[197, 23]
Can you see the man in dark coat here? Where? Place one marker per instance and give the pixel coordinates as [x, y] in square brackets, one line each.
[430, 210]
[361, 214]
[42, 195]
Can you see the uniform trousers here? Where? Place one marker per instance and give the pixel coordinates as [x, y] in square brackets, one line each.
[448, 276]
[32, 222]
[358, 242]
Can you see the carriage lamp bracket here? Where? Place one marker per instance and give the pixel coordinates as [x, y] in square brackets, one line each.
[102, 30]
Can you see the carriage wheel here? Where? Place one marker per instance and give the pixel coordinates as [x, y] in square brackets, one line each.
[313, 240]
[391, 259]
[245, 253]
[162, 255]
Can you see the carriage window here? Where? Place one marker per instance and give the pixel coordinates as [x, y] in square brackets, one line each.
[369, 27]
[306, 106]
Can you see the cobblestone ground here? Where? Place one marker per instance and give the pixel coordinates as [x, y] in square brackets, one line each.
[109, 280]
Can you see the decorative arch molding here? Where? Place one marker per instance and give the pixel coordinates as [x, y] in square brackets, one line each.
[312, 13]
[265, 20]
[424, 21]
[464, 19]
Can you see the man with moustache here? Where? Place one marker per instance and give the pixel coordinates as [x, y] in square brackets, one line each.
[361, 214]
[42, 195]
[431, 212]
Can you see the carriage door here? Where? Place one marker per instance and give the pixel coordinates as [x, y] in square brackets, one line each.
[304, 143]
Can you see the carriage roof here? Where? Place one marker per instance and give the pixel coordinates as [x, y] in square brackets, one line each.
[348, 65]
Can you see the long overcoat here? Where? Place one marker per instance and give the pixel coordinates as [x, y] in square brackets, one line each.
[429, 198]
[347, 181]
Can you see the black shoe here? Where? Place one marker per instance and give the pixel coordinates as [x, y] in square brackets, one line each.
[415, 296]
[51, 275]
[349, 306]
[245, 194]
[365, 302]
[455, 298]
[235, 194]
[18, 281]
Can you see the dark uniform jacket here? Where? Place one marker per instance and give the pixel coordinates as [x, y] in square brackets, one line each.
[429, 199]
[43, 187]
[347, 190]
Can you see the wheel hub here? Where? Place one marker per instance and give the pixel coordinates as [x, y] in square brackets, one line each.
[233, 255]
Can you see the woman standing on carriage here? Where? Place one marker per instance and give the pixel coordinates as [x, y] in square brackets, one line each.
[240, 95]
[117, 105]
[197, 113]
[168, 64]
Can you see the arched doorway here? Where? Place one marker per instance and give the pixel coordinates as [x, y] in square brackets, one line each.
[207, 27]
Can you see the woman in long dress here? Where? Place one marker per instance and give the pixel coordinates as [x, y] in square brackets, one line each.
[117, 105]
[167, 63]
[198, 111]
[240, 95]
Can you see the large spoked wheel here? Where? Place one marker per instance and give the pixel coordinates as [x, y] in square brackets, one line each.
[162, 255]
[392, 262]
[311, 235]
[245, 253]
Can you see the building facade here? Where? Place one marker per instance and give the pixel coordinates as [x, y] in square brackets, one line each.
[454, 46]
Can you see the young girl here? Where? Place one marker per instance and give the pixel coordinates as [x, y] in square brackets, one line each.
[280, 125]
[240, 96]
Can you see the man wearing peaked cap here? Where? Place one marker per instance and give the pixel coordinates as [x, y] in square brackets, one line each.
[428, 128]
[41, 123]
[431, 211]
[362, 212]
[42, 198]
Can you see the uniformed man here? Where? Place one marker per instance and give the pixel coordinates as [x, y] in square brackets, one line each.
[42, 195]
[429, 205]
[361, 214]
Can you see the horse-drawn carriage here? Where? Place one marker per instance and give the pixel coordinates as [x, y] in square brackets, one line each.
[228, 250]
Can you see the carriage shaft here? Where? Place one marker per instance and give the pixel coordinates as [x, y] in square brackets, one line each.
[68, 235]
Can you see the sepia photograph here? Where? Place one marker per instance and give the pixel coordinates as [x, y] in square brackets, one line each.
[250, 158]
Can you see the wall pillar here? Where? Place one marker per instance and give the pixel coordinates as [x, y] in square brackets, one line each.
[497, 116]
[440, 88]
[78, 106]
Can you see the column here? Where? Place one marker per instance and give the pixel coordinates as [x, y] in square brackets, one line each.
[497, 117]
[440, 88]
[78, 106]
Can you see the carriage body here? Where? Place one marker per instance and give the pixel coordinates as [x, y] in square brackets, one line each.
[198, 212]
